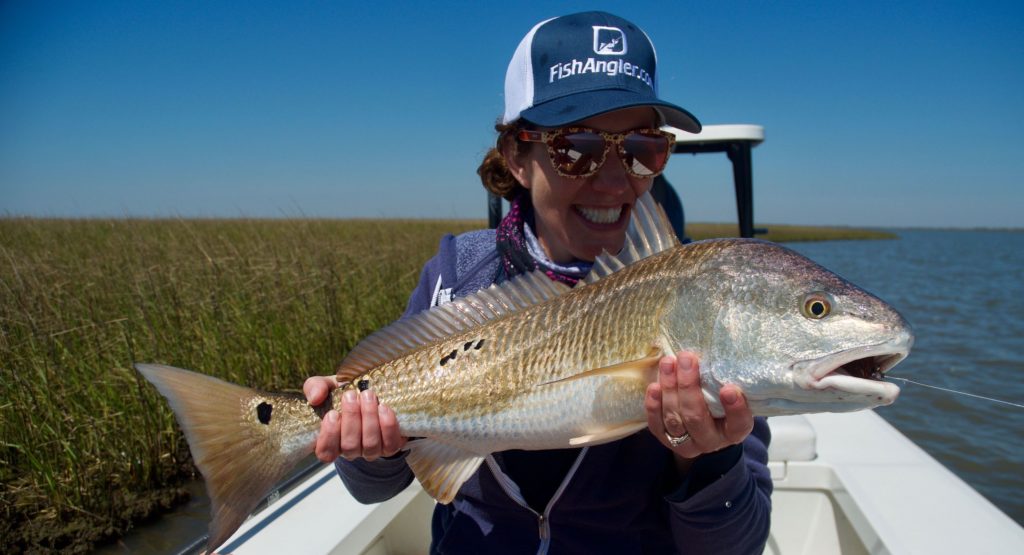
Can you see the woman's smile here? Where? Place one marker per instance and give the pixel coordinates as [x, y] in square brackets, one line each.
[603, 215]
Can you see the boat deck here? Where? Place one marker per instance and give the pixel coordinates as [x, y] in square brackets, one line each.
[844, 484]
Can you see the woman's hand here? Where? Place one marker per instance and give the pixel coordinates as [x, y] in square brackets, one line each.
[675, 407]
[363, 428]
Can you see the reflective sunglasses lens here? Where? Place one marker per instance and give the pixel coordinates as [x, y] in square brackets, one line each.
[579, 153]
[645, 155]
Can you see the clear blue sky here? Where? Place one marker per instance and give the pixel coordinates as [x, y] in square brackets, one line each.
[876, 113]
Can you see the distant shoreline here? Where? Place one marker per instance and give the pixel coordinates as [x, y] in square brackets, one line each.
[999, 229]
[789, 233]
[694, 229]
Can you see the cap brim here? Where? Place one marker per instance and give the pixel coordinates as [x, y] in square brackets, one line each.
[573, 108]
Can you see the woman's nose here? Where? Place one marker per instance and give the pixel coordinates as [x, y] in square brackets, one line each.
[611, 176]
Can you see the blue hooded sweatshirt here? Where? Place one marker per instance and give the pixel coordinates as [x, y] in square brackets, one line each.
[620, 497]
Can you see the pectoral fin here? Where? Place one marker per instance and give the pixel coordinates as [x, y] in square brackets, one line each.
[644, 369]
[441, 468]
[637, 374]
[608, 435]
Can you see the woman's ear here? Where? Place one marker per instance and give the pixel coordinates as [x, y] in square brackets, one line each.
[515, 159]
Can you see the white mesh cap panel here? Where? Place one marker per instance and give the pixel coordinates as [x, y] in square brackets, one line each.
[519, 78]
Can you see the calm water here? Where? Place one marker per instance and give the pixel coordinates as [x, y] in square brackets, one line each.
[963, 292]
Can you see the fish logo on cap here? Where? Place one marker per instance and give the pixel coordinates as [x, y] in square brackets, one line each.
[609, 41]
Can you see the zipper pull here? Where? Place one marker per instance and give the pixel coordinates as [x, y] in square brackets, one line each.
[545, 530]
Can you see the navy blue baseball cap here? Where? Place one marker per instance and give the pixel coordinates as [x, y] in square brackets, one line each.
[582, 65]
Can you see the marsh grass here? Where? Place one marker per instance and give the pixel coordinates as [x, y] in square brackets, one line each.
[86, 447]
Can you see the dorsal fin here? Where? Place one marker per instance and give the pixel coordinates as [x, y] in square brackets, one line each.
[649, 233]
[445, 320]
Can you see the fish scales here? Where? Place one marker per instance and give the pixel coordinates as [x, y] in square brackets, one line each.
[482, 393]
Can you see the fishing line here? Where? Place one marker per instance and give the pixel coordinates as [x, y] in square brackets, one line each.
[958, 392]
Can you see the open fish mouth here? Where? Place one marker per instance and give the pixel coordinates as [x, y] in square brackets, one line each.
[869, 367]
[860, 370]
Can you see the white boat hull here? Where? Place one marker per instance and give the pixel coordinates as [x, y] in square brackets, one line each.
[844, 484]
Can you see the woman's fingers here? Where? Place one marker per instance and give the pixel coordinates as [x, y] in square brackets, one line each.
[697, 420]
[351, 426]
[683, 410]
[738, 421]
[327, 439]
[318, 388]
[371, 434]
[391, 437]
[652, 404]
[671, 416]
[676, 407]
[360, 428]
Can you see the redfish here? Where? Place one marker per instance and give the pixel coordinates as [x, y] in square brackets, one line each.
[533, 364]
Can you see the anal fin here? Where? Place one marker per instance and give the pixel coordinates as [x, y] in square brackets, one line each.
[441, 468]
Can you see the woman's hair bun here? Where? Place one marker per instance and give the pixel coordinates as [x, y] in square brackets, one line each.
[493, 170]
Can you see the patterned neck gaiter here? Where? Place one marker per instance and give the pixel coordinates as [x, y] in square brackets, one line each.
[521, 252]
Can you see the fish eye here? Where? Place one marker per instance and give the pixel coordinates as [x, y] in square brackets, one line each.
[816, 306]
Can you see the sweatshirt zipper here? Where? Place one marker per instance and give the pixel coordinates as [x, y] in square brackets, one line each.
[543, 520]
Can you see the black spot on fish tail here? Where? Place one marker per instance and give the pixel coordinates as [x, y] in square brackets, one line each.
[479, 344]
[263, 411]
[363, 385]
[467, 345]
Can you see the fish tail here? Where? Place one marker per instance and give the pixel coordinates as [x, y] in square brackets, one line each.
[243, 441]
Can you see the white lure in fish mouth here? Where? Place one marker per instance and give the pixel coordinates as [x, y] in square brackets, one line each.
[858, 371]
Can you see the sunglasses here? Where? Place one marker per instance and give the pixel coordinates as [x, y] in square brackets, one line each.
[578, 152]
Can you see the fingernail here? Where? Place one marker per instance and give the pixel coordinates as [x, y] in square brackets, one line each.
[666, 365]
[382, 411]
[332, 416]
[729, 396]
[367, 395]
[350, 396]
[685, 364]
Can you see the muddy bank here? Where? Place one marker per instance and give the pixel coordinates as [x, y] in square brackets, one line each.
[80, 532]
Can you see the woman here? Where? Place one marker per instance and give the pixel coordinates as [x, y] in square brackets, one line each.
[578, 145]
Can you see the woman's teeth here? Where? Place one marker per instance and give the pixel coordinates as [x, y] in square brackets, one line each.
[600, 215]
